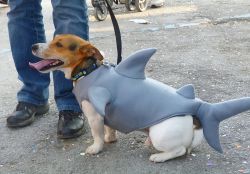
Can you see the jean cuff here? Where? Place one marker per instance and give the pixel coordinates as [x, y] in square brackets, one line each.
[74, 108]
[31, 101]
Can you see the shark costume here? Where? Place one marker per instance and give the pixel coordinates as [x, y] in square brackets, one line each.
[129, 101]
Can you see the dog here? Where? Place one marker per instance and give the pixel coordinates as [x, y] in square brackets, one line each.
[172, 137]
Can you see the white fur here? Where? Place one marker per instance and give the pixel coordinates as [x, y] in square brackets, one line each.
[67, 72]
[40, 50]
[97, 127]
[174, 137]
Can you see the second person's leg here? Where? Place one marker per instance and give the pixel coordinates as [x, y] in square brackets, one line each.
[26, 28]
[70, 17]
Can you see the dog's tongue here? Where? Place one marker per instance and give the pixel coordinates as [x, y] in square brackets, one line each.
[39, 65]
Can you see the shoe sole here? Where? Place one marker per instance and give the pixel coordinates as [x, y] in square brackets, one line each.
[75, 135]
[24, 123]
[31, 119]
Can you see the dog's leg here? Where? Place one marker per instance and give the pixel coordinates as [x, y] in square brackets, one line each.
[172, 137]
[110, 135]
[96, 124]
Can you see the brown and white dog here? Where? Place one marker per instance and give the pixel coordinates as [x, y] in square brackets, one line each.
[173, 137]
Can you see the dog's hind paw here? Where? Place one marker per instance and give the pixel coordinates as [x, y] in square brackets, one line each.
[148, 142]
[164, 156]
[110, 135]
[157, 158]
[94, 149]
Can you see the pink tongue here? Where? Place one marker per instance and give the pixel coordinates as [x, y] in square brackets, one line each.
[39, 65]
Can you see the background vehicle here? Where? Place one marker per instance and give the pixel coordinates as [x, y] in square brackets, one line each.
[101, 12]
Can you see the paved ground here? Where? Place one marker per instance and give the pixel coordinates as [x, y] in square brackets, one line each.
[206, 43]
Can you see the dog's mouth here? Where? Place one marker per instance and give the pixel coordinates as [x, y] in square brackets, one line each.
[46, 64]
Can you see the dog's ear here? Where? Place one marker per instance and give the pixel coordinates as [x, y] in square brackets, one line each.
[90, 51]
[97, 54]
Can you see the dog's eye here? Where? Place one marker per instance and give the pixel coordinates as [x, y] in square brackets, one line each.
[58, 44]
[72, 47]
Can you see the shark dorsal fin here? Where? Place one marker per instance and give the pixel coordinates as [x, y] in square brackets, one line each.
[134, 65]
[187, 91]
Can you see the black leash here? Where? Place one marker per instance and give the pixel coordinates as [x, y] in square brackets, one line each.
[117, 32]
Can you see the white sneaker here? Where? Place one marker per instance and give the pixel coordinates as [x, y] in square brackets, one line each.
[157, 3]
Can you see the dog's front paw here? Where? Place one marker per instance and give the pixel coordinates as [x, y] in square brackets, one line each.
[94, 149]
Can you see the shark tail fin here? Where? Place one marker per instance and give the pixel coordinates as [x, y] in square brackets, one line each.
[211, 115]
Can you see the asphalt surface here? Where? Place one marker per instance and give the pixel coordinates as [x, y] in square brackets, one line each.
[206, 43]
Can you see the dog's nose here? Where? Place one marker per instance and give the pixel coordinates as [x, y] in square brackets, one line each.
[34, 47]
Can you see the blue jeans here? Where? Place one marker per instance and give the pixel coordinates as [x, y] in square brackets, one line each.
[26, 28]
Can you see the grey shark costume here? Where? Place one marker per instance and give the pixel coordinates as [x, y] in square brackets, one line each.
[129, 101]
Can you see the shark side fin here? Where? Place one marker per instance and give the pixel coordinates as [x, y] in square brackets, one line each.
[211, 115]
[134, 65]
[187, 91]
[99, 97]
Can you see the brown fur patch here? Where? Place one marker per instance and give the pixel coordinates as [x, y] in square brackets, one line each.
[72, 50]
[196, 123]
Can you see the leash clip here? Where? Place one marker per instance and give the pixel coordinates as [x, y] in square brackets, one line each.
[107, 64]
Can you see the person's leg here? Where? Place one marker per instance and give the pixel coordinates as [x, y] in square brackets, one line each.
[70, 17]
[26, 28]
